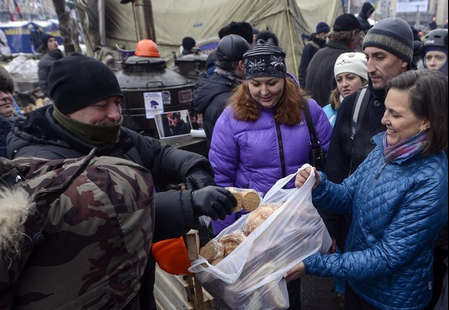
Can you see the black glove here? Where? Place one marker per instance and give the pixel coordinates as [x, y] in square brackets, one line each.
[199, 178]
[213, 201]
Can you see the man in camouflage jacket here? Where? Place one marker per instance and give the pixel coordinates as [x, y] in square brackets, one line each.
[74, 234]
[86, 114]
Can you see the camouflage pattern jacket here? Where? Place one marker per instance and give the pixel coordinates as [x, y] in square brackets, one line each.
[75, 233]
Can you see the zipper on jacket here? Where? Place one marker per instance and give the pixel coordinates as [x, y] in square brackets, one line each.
[381, 169]
[281, 150]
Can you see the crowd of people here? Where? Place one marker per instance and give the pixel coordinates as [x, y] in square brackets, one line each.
[74, 181]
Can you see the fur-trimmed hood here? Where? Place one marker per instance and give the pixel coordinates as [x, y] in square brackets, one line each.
[16, 206]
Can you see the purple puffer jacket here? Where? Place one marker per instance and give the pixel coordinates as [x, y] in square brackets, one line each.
[257, 154]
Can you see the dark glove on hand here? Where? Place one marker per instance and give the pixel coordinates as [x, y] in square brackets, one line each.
[213, 201]
[199, 178]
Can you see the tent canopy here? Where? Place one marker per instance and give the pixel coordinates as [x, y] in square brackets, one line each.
[18, 33]
[202, 19]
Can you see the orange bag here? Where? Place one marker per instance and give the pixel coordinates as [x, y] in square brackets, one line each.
[172, 256]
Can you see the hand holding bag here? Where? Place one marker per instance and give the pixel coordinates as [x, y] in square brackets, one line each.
[251, 277]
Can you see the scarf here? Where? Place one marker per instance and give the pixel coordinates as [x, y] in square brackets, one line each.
[229, 75]
[406, 148]
[101, 135]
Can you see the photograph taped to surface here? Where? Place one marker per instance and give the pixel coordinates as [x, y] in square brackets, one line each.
[173, 124]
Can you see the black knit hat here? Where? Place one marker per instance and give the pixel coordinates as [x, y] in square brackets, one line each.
[393, 35]
[45, 39]
[78, 81]
[265, 59]
[322, 27]
[346, 22]
[188, 43]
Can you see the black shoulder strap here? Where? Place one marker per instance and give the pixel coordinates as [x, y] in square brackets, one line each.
[312, 132]
[361, 102]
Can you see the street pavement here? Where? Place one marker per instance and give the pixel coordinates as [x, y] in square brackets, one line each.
[315, 295]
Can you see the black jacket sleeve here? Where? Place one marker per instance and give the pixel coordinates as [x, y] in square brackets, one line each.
[168, 165]
[340, 148]
[174, 214]
[307, 55]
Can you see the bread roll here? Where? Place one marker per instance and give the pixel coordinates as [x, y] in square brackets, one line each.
[212, 251]
[238, 196]
[251, 199]
[231, 241]
[259, 215]
[215, 262]
[248, 199]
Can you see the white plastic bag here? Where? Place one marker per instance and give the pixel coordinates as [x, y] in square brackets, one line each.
[251, 277]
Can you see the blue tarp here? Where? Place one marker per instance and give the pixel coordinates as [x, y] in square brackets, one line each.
[18, 33]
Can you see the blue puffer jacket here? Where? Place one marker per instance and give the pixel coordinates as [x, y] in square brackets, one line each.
[398, 210]
[257, 154]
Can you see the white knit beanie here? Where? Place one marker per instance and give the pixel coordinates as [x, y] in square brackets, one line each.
[351, 63]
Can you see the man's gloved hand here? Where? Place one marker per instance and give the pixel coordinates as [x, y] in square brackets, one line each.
[213, 201]
[199, 178]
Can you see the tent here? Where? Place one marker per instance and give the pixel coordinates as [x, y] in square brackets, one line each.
[18, 33]
[202, 19]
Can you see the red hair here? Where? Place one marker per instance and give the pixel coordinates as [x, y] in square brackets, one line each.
[286, 112]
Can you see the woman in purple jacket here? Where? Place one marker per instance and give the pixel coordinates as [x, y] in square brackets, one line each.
[262, 135]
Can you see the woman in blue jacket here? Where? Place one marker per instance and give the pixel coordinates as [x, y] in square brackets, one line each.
[398, 200]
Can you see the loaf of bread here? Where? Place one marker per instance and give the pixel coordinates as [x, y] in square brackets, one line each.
[247, 199]
[215, 250]
[259, 215]
[231, 241]
[238, 196]
[212, 251]
[215, 262]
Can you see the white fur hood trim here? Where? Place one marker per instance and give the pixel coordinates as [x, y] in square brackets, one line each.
[15, 207]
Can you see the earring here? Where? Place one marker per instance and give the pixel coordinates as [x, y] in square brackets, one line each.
[421, 130]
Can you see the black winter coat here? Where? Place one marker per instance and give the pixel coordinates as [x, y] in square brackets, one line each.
[5, 128]
[44, 67]
[308, 52]
[40, 136]
[320, 80]
[210, 98]
[346, 154]
[363, 17]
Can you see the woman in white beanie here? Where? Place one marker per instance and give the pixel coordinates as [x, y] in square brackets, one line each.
[350, 71]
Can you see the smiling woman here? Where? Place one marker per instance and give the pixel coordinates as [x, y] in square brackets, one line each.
[261, 137]
[399, 118]
[416, 106]
[397, 198]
